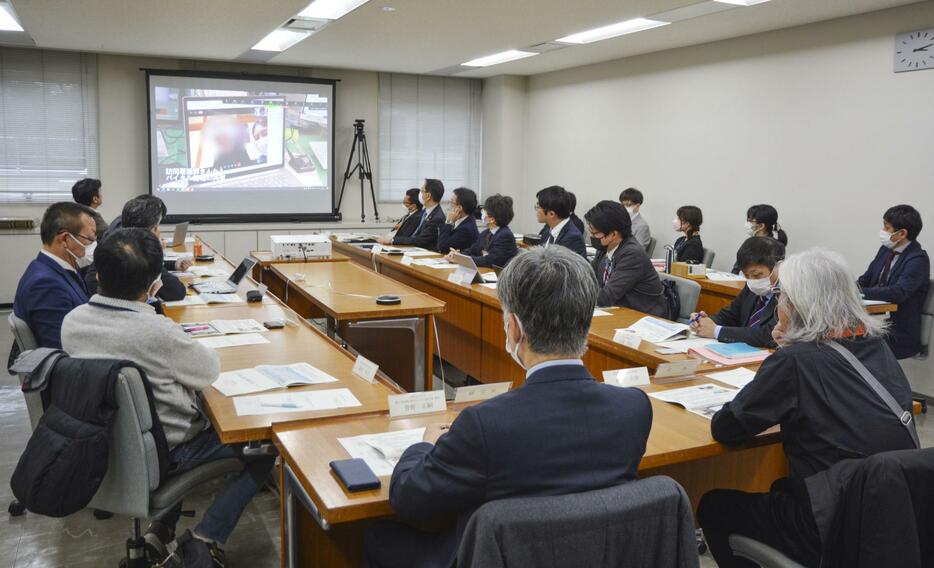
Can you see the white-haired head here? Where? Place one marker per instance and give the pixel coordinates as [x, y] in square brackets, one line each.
[821, 299]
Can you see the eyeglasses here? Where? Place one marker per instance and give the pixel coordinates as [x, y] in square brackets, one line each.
[538, 207]
[600, 236]
[82, 237]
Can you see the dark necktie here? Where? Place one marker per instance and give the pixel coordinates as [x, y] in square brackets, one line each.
[420, 222]
[489, 241]
[758, 312]
[887, 269]
[607, 269]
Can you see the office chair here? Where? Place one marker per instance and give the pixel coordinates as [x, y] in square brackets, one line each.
[708, 257]
[762, 554]
[133, 486]
[25, 341]
[688, 292]
[927, 330]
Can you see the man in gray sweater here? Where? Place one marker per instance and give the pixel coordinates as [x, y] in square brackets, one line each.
[118, 323]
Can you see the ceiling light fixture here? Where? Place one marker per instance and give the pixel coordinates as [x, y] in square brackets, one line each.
[330, 9]
[741, 2]
[280, 40]
[497, 58]
[8, 21]
[613, 30]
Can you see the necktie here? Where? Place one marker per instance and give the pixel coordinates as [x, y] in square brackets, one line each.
[551, 238]
[758, 312]
[420, 222]
[489, 241]
[887, 269]
[607, 269]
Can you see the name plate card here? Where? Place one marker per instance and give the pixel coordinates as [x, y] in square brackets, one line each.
[627, 338]
[407, 260]
[480, 392]
[677, 368]
[415, 403]
[365, 369]
[634, 377]
[376, 249]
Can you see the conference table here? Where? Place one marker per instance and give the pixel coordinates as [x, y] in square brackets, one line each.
[324, 522]
[716, 295]
[398, 337]
[265, 259]
[297, 342]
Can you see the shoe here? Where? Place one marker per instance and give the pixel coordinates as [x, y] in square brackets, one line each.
[191, 552]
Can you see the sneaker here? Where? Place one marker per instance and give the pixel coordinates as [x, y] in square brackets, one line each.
[191, 552]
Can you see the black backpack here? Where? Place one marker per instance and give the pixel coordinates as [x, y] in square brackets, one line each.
[672, 300]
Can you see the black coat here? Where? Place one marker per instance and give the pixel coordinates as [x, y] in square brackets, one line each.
[408, 224]
[569, 236]
[633, 282]
[427, 235]
[734, 320]
[689, 249]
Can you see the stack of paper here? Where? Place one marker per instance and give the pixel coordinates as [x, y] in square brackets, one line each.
[598, 312]
[716, 276]
[420, 252]
[268, 377]
[736, 377]
[655, 330]
[704, 400]
[709, 355]
[236, 340]
[204, 299]
[304, 401]
[683, 345]
[207, 271]
[223, 327]
[382, 451]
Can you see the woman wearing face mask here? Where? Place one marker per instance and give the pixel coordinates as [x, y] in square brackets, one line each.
[762, 221]
[688, 248]
[407, 225]
[751, 316]
[496, 245]
[624, 272]
[460, 230]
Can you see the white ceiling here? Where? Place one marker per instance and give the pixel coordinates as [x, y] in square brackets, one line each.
[420, 36]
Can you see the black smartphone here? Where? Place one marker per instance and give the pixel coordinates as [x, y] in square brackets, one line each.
[355, 474]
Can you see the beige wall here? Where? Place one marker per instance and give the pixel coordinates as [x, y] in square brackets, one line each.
[124, 167]
[504, 134]
[809, 119]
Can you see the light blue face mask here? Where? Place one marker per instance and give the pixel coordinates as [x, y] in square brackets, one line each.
[514, 352]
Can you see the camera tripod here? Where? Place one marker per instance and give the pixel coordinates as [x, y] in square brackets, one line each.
[362, 168]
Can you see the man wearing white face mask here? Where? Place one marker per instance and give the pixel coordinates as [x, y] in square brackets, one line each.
[751, 316]
[118, 323]
[51, 286]
[632, 199]
[900, 274]
[561, 432]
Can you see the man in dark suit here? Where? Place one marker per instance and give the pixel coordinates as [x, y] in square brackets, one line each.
[751, 316]
[553, 208]
[51, 286]
[429, 225]
[538, 439]
[407, 225]
[623, 269]
[460, 232]
[496, 245]
[900, 274]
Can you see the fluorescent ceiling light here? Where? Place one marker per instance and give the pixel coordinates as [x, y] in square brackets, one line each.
[8, 21]
[280, 40]
[330, 9]
[613, 30]
[497, 58]
[741, 2]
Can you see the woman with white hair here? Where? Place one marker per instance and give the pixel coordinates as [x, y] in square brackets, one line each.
[826, 410]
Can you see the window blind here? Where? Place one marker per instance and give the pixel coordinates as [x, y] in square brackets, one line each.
[429, 127]
[48, 123]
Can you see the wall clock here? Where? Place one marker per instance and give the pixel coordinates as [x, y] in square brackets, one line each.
[914, 51]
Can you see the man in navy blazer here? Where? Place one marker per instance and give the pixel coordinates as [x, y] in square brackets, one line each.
[432, 219]
[460, 231]
[51, 286]
[496, 245]
[561, 432]
[553, 208]
[900, 274]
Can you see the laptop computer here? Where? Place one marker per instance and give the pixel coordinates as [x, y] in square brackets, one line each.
[465, 261]
[230, 286]
[178, 237]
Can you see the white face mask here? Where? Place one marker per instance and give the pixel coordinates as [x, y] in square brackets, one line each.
[154, 288]
[760, 286]
[631, 210]
[676, 224]
[421, 197]
[885, 238]
[514, 352]
[485, 218]
[750, 229]
[88, 258]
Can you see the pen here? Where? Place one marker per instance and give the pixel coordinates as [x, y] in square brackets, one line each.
[697, 317]
[282, 405]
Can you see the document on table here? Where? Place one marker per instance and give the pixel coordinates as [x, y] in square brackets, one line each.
[295, 402]
[598, 312]
[190, 300]
[267, 377]
[874, 302]
[169, 255]
[682, 345]
[420, 252]
[704, 400]
[382, 451]
[738, 378]
[655, 330]
[236, 340]
[207, 271]
[222, 299]
[238, 326]
[716, 276]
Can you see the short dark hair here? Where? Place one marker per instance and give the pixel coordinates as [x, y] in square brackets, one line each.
[85, 190]
[467, 199]
[128, 261]
[435, 188]
[760, 250]
[62, 216]
[904, 217]
[555, 198]
[631, 194]
[413, 196]
[572, 199]
[499, 207]
[608, 216]
[692, 215]
[143, 212]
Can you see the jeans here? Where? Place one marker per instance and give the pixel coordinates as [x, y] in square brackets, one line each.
[221, 517]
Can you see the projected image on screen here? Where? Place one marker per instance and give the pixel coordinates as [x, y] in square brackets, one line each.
[261, 149]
